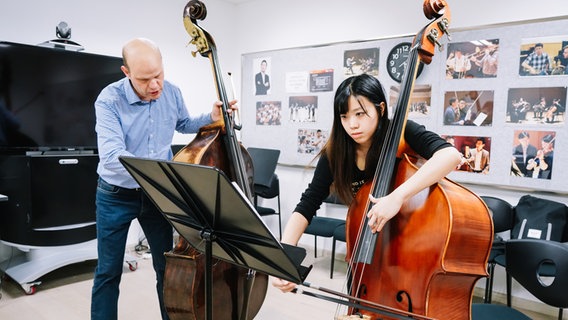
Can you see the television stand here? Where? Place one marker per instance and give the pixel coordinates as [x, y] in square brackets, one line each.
[28, 264]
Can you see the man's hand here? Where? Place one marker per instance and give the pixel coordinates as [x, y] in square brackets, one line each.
[217, 112]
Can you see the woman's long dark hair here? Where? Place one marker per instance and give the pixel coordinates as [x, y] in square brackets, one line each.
[340, 148]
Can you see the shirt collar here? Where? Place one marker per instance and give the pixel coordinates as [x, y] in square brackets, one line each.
[131, 95]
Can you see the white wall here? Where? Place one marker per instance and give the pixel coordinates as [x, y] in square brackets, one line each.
[257, 25]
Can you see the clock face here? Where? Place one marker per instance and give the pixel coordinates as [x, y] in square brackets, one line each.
[397, 61]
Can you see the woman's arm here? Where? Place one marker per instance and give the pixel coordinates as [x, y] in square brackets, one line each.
[437, 167]
[294, 229]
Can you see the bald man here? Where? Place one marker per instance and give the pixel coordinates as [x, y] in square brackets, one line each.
[135, 116]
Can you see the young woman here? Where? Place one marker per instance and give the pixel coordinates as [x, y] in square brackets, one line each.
[350, 157]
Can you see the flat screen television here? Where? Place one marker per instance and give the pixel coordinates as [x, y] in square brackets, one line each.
[47, 97]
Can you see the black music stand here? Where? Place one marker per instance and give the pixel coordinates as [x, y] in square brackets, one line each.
[216, 218]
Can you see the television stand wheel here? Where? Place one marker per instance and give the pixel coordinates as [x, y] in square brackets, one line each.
[30, 287]
[132, 265]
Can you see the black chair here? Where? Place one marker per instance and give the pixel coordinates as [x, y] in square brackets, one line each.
[525, 260]
[502, 213]
[266, 182]
[324, 226]
[537, 205]
[338, 235]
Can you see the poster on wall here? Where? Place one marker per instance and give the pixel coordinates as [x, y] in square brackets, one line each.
[261, 76]
[321, 80]
[297, 82]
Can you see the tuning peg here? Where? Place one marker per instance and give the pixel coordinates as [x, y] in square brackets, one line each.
[433, 37]
[444, 25]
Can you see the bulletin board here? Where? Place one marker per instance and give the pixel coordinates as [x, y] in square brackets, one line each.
[294, 113]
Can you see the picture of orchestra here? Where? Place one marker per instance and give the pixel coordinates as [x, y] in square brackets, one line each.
[544, 56]
[468, 108]
[361, 61]
[310, 141]
[475, 152]
[536, 105]
[533, 154]
[303, 108]
[420, 99]
[268, 113]
[473, 59]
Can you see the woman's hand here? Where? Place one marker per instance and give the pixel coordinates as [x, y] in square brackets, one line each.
[283, 285]
[383, 210]
[216, 113]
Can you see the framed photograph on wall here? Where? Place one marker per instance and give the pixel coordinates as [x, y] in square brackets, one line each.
[475, 153]
[303, 108]
[538, 106]
[420, 100]
[269, 113]
[468, 108]
[472, 59]
[360, 61]
[533, 154]
[310, 141]
[544, 56]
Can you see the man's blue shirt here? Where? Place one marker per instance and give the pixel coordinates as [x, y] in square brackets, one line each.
[128, 126]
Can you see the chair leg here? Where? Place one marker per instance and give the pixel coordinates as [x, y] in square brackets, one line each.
[509, 280]
[489, 283]
[279, 217]
[315, 246]
[560, 313]
[332, 259]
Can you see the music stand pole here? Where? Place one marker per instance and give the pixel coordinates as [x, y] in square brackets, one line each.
[209, 237]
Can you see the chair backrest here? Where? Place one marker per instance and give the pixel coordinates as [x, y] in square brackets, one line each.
[264, 162]
[502, 213]
[268, 192]
[524, 259]
[538, 218]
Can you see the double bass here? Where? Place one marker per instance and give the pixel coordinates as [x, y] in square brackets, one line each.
[239, 292]
[427, 259]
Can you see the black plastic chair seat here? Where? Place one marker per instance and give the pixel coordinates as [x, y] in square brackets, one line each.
[264, 211]
[482, 311]
[339, 233]
[323, 226]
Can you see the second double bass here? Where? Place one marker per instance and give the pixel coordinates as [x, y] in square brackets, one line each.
[428, 257]
[431, 248]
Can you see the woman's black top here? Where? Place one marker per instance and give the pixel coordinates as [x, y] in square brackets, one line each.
[422, 141]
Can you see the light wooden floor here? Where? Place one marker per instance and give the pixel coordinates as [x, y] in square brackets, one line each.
[65, 294]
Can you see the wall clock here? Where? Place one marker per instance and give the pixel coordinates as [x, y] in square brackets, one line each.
[397, 61]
